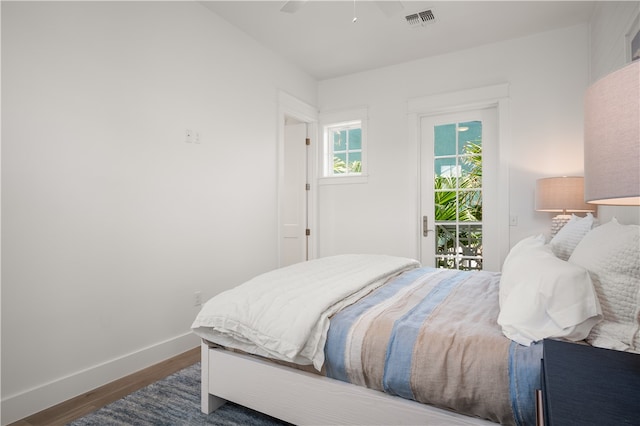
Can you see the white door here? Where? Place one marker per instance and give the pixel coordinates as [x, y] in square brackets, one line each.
[294, 200]
[459, 190]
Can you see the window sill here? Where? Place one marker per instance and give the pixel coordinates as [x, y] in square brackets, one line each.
[343, 180]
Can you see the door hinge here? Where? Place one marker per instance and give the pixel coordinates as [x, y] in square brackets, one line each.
[307, 186]
[307, 141]
[308, 232]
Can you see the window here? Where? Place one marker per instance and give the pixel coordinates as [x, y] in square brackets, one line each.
[458, 195]
[344, 148]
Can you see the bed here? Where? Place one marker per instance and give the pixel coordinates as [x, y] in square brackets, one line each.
[376, 339]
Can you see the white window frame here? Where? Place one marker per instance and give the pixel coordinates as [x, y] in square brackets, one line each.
[336, 119]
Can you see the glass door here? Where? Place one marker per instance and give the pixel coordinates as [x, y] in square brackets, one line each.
[457, 188]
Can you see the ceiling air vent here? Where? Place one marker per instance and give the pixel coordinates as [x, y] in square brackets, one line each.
[420, 19]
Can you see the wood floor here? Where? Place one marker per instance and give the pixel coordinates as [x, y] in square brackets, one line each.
[82, 405]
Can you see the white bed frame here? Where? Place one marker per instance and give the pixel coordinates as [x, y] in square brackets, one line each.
[304, 398]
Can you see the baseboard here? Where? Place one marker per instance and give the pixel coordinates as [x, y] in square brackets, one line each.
[19, 406]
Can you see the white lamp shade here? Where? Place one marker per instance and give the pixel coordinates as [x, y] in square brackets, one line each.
[561, 194]
[612, 138]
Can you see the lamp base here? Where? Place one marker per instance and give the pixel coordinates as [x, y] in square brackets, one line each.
[558, 222]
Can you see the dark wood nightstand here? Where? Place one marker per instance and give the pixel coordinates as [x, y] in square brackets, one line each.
[583, 385]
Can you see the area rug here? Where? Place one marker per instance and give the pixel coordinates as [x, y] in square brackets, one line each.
[173, 401]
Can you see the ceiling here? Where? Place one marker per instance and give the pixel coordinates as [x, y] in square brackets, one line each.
[322, 40]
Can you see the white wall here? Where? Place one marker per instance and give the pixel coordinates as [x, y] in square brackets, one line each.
[110, 220]
[547, 74]
[610, 24]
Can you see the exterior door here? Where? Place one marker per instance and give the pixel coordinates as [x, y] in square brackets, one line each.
[294, 244]
[458, 190]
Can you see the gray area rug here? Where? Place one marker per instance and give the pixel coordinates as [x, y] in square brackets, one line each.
[174, 400]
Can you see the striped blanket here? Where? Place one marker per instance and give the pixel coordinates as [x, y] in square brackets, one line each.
[431, 335]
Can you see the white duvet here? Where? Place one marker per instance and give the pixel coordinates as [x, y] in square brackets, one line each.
[284, 314]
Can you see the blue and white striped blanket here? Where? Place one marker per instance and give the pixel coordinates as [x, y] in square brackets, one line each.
[431, 335]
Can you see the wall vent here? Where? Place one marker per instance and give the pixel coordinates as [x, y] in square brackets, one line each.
[420, 19]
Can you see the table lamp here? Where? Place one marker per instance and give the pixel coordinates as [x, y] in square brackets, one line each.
[563, 195]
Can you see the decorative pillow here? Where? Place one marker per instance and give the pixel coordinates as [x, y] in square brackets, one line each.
[611, 253]
[542, 296]
[566, 240]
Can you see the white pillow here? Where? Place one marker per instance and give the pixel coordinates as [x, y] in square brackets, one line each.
[568, 237]
[611, 253]
[542, 296]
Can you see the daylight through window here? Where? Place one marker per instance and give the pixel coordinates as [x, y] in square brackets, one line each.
[344, 149]
[458, 195]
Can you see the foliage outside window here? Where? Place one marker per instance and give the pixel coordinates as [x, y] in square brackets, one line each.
[344, 143]
[458, 196]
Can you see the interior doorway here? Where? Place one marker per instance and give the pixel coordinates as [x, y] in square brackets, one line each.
[297, 123]
[294, 246]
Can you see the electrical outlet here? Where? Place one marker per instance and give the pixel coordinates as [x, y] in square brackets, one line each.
[197, 298]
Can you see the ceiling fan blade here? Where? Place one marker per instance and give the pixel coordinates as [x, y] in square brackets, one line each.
[292, 6]
[390, 8]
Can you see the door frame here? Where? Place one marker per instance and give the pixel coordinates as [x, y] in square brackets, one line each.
[496, 96]
[290, 106]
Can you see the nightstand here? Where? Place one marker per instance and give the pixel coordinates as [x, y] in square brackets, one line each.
[583, 385]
